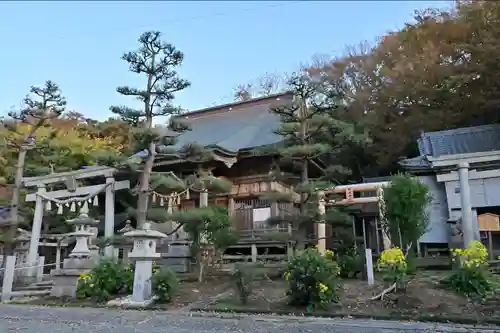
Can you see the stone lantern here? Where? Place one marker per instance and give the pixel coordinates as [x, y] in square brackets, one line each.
[21, 248]
[127, 244]
[83, 224]
[143, 253]
[79, 261]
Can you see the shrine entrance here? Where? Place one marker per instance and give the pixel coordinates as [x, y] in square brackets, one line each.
[72, 199]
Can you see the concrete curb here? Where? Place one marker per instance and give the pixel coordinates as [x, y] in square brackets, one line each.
[463, 320]
[240, 313]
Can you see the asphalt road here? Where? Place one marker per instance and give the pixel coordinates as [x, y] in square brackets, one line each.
[28, 319]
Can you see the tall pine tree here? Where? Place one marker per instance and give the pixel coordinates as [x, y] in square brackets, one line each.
[156, 61]
[312, 133]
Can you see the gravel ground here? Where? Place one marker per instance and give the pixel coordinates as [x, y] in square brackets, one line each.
[16, 318]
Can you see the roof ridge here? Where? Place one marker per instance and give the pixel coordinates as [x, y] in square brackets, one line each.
[460, 140]
[237, 103]
[209, 115]
[462, 130]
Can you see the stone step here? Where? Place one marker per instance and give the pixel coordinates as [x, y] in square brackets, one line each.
[37, 286]
[32, 287]
[29, 293]
[45, 283]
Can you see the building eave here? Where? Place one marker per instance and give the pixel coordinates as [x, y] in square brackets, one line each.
[471, 158]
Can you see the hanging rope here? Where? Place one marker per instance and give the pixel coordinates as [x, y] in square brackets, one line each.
[169, 199]
[73, 202]
[74, 199]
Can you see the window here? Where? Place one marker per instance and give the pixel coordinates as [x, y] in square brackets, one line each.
[260, 216]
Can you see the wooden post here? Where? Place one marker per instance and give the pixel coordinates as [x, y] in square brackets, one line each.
[39, 269]
[490, 246]
[230, 206]
[8, 277]
[289, 245]
[109, 216]
[377, 229]
[204, 198]
[35, 231]
[58, 256]
[254, 253]
[369, 267]
[321, 224]
[274, 209]
[354, 232]
[364, 231]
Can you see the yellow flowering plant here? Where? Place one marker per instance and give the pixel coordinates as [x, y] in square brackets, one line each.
[329, 253]
[85, 285]
[475, 255]
[471, 276]
[108, 279]
[164, 284]
[393, 265]
[312, 279]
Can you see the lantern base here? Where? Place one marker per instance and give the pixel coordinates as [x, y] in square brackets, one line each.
[128, 303]
[66, 279]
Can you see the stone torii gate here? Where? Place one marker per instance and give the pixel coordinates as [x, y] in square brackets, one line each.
[71, 197]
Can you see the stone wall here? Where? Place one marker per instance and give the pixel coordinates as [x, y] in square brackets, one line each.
[176, 256]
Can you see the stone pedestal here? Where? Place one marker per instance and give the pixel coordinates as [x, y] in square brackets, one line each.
[66, 279]
[177, 257]
[142, 281]
[21, 253]
[79, 261]
[143, 253]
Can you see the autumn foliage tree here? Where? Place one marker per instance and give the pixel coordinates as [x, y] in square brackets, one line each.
[438, 72]
[42, 105]
[38, 143]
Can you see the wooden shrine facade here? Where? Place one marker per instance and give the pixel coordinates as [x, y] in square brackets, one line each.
[233, 133]
[244, 201]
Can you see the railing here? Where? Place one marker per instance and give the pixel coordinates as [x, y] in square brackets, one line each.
[10, 269]
[263, 234]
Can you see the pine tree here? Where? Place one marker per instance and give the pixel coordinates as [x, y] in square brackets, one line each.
[41, 106]
[311, 131]
[156, 61]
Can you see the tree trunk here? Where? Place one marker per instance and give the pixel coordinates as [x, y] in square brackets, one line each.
[304, 175]
[200, 259]
[143, 200]
[14, 204]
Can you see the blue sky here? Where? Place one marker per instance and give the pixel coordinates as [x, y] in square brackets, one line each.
[79, 44]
